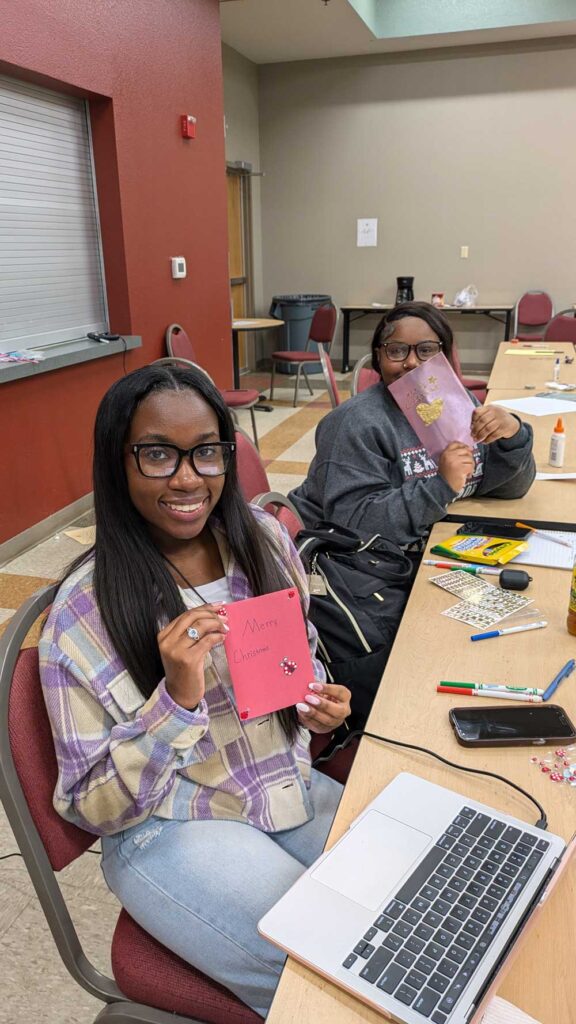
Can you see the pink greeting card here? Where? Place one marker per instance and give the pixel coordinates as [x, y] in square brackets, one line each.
[268, 654]
[436, 405]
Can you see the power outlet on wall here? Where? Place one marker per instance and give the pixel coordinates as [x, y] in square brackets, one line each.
[463, 252]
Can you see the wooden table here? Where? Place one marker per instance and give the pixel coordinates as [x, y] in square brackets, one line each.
[247, 324]
[541, 979]
[515, 371]
[547, 502]
[352, 313]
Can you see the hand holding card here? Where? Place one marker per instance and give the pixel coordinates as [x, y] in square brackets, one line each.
[268, 654]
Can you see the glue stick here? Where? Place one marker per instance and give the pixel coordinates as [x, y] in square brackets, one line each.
[557, 445]
[556, 376]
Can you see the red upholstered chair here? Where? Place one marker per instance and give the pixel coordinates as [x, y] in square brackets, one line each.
[329, 377]
[322, 330]
[251, 472]
[179, 346]
[533, 309]
[477, 387]
[364, 376]
[561, 327]
[151, 983]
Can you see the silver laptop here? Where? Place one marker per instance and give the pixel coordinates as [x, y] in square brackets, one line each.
[417, 905]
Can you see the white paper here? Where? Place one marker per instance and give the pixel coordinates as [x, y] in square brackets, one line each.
[538, 406]
[542, 551]
[367, 231]
[556, 476]
[499, 1011]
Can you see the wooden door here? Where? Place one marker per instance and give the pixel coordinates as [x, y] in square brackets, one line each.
[240, 251]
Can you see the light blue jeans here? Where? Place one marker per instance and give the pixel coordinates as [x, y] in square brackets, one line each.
[200, 887]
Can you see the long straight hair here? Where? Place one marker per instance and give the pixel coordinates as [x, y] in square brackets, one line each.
[133, 584]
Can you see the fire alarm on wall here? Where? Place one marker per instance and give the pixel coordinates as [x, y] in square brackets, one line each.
[178, 266]
[188, 126]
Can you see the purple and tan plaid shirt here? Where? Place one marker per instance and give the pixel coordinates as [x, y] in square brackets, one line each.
[122, 758]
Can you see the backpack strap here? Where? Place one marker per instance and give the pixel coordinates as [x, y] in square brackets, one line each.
[327, 537]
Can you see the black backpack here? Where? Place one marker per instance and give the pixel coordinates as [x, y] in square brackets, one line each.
[358, 591]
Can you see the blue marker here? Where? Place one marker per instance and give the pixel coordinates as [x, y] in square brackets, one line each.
[563, 673]
[509, 629]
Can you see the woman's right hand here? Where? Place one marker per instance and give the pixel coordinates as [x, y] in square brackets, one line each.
[183, 657]
[456, 465]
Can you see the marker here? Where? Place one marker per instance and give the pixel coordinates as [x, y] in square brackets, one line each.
[568, 668]
[466, 567]
[543, 533]
[528, 698]
[535, 691]
[511, 629]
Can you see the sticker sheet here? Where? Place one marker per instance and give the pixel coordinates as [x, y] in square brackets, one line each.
[481, 604]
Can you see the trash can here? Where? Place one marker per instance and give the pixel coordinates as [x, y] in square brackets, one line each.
[296, 311]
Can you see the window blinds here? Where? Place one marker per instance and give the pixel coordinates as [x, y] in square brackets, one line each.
[51, 278]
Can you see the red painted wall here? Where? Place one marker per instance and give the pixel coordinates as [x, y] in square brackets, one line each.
[142, 63]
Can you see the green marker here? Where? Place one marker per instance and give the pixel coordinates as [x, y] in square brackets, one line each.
[533, 690]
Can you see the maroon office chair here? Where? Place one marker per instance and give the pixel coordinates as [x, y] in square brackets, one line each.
[561, 327]
[150, 983]
[364, 376]
[252, 475]
[322, 330]
[533, 309]
[179, 346]
[330, 378]
[477, 387]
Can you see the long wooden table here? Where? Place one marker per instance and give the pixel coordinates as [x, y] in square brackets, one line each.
[429, 648]
[547, 501]
[529, 371]
[352, 313]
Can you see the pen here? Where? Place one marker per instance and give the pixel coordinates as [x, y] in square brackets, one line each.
[565, 671]
[476, 569]
[510, 629]
[534, 690]
[528, 698]
[543, 533]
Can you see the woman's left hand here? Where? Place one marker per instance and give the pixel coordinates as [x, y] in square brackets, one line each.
[325, 707]
[492, 422]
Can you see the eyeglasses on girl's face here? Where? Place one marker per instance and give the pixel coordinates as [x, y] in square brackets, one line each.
[398, 351]
[163, 460]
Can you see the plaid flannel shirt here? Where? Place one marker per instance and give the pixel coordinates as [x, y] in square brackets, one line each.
[122, 757]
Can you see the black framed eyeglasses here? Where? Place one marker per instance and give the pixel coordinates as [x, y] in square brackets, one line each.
[398, 351]
[163, 460]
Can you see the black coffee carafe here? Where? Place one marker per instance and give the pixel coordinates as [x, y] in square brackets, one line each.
[404, 289]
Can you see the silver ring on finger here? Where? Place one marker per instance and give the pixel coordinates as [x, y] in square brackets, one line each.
[193, 633]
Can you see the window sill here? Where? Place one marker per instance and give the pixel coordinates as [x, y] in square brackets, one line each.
[69, 353]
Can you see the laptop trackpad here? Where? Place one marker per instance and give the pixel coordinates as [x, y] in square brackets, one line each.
[371, 859]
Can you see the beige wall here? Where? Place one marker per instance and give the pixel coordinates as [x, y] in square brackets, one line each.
[445, 150]
[243, 141]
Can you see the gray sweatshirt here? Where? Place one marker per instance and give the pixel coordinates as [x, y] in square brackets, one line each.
[371, 473]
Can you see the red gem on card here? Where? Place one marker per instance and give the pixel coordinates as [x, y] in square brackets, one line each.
[288, 667]
[221, 611]
[243, 714]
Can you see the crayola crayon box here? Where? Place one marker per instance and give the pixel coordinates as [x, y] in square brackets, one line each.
[481, 550]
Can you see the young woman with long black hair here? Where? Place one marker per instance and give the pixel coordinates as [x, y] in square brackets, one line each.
[205, 820]
[372, 474]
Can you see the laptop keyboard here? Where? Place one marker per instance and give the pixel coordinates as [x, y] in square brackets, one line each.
[426, 944]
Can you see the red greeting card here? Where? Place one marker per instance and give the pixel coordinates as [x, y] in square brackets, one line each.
[268, 654]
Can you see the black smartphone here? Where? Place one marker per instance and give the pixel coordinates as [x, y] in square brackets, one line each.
[534, 724]
[488, 528]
